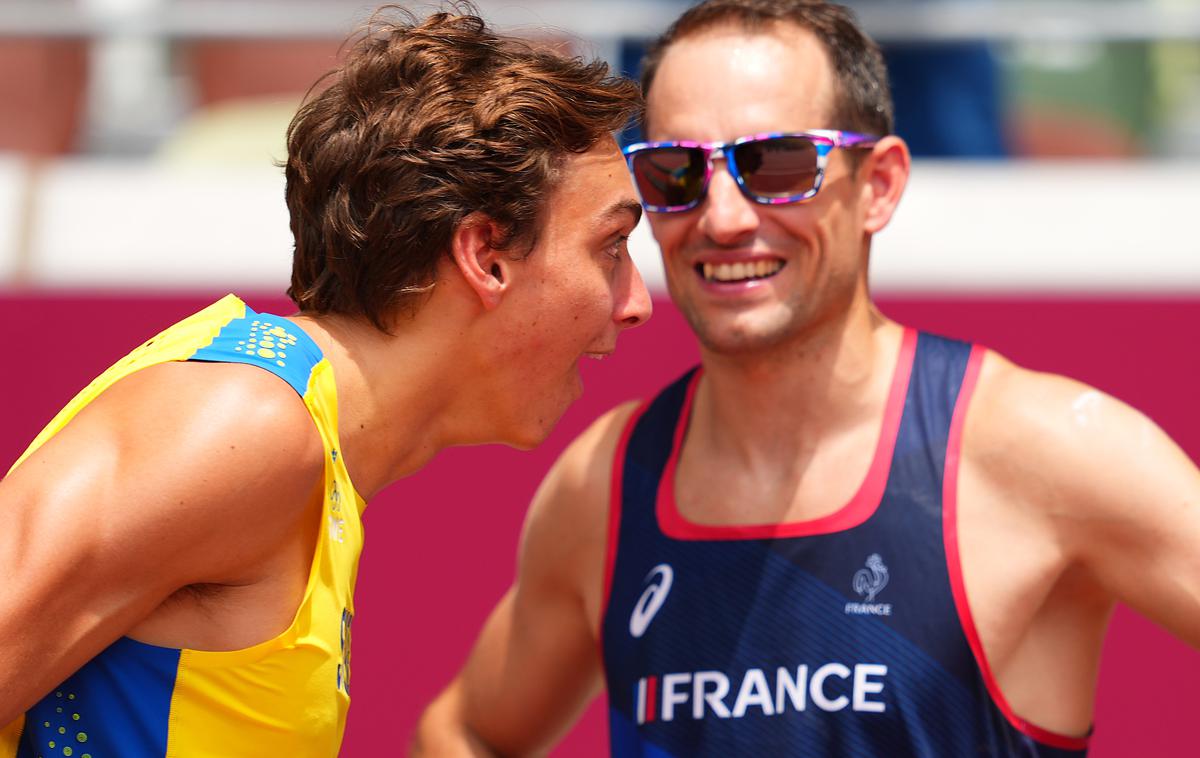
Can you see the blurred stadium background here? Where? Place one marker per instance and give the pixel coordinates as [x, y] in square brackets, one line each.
[1052, 215]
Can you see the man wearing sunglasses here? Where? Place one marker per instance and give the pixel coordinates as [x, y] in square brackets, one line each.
[180, 545]
[838, 537]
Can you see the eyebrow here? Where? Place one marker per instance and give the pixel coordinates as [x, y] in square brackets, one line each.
[632, 207]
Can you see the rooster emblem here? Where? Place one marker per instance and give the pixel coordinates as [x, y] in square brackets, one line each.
[871, 580]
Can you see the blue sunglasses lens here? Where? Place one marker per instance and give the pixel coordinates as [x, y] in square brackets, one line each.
[777, 168]
[669, 176]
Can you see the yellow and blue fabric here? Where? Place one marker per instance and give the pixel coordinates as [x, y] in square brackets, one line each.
[287, 696]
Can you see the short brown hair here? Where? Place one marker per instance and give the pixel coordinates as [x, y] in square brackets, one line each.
[863, 99]
[424, 123]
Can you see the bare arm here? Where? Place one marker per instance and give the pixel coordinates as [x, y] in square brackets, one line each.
[1135, 524]
[536, 663]
[146, 491]
[1122, 500]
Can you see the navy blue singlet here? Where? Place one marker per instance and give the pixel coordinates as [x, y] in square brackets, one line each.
[848, 635]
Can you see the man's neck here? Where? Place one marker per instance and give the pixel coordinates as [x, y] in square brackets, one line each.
[398, 402]
[785, 400]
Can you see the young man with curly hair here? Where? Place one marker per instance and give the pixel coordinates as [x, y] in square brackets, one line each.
[837, 536]
[181, 542]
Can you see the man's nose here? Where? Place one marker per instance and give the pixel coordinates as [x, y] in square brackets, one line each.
[636, 306]
[726, 214]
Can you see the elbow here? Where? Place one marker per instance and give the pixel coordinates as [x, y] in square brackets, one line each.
[443, 732]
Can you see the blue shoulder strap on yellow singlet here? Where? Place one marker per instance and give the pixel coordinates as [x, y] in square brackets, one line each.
[266, 341]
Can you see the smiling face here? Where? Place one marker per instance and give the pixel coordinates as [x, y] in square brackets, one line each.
[575, 292]
[750, 276]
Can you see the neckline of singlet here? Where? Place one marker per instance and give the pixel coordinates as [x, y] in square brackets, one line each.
[861, 506]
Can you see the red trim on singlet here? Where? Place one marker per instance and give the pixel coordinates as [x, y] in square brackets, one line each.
[954, 564]
[651, 699]
[860, 507]
[614, 517]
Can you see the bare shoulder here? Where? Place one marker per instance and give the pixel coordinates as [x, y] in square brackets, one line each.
[1063, 444]
[192, 444]
[243, 406]
[180, 474]
[584, 469]
[1093, 482]
[566, 529]
[575, 492]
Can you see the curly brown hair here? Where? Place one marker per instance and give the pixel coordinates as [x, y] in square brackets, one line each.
[864, 100]
[426, 122]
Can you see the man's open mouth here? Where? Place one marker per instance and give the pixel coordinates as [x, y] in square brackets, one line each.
[739, 272]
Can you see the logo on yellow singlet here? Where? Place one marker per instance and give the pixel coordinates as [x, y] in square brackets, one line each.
[267, 341]
[343, 669]
[337, 524]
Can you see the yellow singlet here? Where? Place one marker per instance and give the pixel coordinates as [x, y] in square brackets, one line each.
[287, 696]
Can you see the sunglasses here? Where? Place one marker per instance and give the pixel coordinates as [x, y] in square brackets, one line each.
[772, 169]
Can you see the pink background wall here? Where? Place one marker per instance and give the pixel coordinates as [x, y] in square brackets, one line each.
[440, 546]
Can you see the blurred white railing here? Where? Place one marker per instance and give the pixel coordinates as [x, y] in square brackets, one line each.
[887, 20]
[962, 227]
[134, 99]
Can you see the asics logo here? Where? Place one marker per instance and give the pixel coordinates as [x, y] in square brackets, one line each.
[659, 585]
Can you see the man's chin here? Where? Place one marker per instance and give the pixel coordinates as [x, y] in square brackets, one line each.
[745, 332]
[739, 340]
[537, 432]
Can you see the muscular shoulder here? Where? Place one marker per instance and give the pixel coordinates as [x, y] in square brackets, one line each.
[1066, 477]
[583, 471]
[198, 448]
[213, 404]
[566, 529]
[1055, 442]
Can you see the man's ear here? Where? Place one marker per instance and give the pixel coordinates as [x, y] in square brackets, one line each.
[885, 173]
[485, 269]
